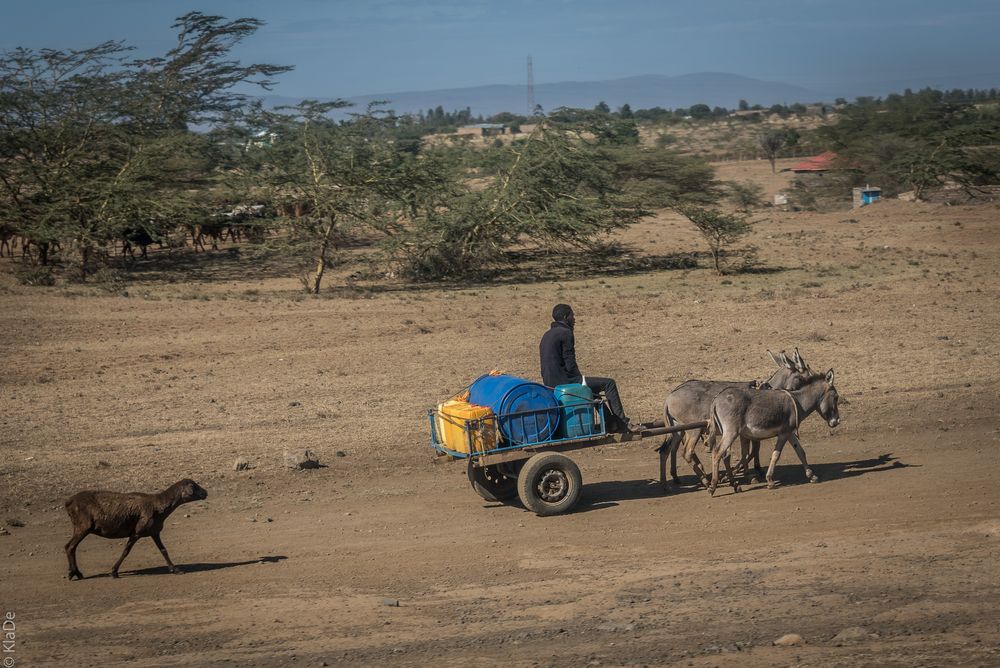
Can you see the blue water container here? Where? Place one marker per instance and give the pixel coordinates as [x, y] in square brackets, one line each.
[577, 414]
[526, 412]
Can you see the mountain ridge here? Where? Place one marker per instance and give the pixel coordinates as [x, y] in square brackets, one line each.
[716, 89]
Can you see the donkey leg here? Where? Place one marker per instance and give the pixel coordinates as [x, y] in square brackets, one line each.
[745, 454]
[758, 474]
[719, 452]
[675, 441]
[664, 452]
[779, 444]
[691, 457]
[731, 473]
[668, 449]
[810, 476]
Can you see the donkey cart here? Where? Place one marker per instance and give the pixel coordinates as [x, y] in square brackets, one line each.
[521, 453]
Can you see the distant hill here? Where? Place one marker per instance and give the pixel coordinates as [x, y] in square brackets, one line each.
[716, 89]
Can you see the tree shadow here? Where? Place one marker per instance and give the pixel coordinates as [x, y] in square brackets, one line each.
[196, 567]
[185, 265]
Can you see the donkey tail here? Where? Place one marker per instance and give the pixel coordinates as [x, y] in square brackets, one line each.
[670, 421]
[714, 428]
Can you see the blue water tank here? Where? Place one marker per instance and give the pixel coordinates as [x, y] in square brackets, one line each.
[526, 412]
[577, 414]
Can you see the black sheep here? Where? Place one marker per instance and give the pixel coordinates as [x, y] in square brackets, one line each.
[131, 515]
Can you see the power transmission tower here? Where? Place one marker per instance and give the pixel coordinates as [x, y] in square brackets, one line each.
[531, 88]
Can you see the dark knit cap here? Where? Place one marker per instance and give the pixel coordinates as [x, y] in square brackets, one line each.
[561, 311]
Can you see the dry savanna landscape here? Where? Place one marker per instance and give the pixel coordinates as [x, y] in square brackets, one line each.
[385, 556]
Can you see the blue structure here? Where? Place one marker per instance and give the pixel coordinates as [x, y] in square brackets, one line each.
[577, 419]
[526, 412]
[867, 195]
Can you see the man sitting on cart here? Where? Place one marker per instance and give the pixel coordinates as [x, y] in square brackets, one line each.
[558, 357]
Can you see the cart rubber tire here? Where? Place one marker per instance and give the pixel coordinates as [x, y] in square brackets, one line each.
[491, 484]
[549, 484]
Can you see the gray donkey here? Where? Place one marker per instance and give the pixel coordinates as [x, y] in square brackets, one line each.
[691, 401]
[758, 414]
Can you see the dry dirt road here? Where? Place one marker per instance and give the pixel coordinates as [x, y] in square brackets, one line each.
[891, 559]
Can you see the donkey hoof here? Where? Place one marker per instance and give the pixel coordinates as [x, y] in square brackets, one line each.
[814, 478]
[114, 574]
[754, 480]
[737, 489]
[75, 575]
[772, 485]
[176, 571]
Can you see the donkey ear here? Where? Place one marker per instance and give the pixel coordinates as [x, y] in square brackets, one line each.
[800, 363]
[785, 362]
[829, 376]
[774, 359]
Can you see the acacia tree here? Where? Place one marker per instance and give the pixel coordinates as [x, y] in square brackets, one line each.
[59, 142]
[720, 230]
[556, 190]
[770, 144]
[745, 194]
[94, 144]
[330, 172]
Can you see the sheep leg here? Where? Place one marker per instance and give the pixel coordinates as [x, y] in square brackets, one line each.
[810, 476]
[774, 460]
[128, 548]
[74, 571]
[166, 557]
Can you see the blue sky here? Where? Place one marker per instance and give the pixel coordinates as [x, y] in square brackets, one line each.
[354, 47]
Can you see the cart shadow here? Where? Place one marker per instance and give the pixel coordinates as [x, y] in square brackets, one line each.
[609, 493]
[194, 568]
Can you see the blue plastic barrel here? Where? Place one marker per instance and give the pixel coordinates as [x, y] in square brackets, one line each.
[526, 412]
[577, 414]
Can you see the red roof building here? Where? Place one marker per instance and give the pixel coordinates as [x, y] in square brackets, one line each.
[819, 163]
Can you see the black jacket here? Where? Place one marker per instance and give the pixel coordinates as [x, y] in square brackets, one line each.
[558, 356]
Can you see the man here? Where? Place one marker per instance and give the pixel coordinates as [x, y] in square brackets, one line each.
[558, 356]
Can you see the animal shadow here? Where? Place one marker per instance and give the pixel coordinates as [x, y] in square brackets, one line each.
[199, 567]
[841, 470]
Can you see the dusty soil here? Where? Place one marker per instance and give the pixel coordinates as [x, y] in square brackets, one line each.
[900, 537]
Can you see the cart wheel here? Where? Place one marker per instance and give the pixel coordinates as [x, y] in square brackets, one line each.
[491, 483]
[549, 484]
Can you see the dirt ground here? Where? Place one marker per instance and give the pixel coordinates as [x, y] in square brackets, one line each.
[891, 559]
